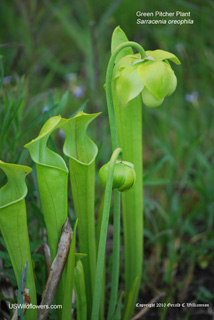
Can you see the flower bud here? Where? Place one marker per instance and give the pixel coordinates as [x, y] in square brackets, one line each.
[152, 76]
[124, 175]
[149, 100]
[173, 85]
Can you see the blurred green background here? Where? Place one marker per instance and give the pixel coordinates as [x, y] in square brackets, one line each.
[54, 59]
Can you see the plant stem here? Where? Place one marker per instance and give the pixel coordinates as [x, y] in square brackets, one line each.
[80, 292]
[103, 236]
[116, 255]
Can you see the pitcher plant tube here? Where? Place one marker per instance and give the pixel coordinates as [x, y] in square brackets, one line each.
[82, 152]
[13, 225]
[129, 79]
[52, 177]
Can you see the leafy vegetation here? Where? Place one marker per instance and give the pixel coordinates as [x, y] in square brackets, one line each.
[53, 61]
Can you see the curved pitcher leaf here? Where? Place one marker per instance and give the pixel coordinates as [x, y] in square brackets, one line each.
[13, 225]
[82, 152]
[52, 176]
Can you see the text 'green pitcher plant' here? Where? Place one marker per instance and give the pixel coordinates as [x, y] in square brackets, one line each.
[13, 225]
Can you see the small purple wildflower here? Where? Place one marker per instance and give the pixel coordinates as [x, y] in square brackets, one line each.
[45, 109]
[79, 92]
[192, 97]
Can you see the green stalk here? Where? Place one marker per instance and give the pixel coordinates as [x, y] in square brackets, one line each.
[80, 293]
[82, 152]
[103, 236]
[13, 225]
[116, 256]
[130, 301]
[98, 227]
[128, 123]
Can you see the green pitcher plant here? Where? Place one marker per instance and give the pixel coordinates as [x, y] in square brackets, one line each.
[13, 225]
[131, 78]
[82, 152]
[52, 178]
[52, 175]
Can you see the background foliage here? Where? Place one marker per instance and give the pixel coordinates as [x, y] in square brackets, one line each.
[54, 59]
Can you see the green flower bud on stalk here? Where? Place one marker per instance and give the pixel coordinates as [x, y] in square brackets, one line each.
[152, 76]
[124, 175]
